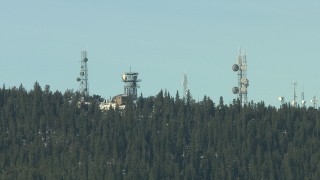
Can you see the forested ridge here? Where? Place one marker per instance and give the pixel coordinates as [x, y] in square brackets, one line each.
[46, 135]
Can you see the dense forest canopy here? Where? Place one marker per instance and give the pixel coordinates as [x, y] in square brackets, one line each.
[47, 135]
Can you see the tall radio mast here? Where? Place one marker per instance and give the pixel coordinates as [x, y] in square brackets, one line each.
[83, 78]
[294, 103]
[185, 85]
[303, 101]
[243, 82]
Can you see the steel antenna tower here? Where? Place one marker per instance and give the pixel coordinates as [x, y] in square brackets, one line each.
[243, 82]
[131, 84]
[185, 85]
[314, 102]
[294, 102]
[83, 78]
[303, 101]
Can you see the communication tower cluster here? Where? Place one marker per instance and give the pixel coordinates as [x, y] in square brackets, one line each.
[241, 67]
[131, 84]
[294, 102]
[83, 78]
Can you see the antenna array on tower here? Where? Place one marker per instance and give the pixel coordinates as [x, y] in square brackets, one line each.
[281, 99]
[243, 82]
[131, 84]
[185, 85]
[303, 101]
[83, 78]
[314, 102]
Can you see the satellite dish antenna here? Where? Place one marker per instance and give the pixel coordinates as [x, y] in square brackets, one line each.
[124, 77]
[244, 80]
[243, 89]
[235, 90]
[235, 67]
[243, 67]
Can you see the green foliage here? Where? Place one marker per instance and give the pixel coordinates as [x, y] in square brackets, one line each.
[46, 135]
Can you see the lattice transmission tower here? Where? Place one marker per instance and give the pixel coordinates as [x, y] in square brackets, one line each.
[83, 78]
[241, 67]
[131, 84]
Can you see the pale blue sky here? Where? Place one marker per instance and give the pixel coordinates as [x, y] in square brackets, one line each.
[40, 40]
